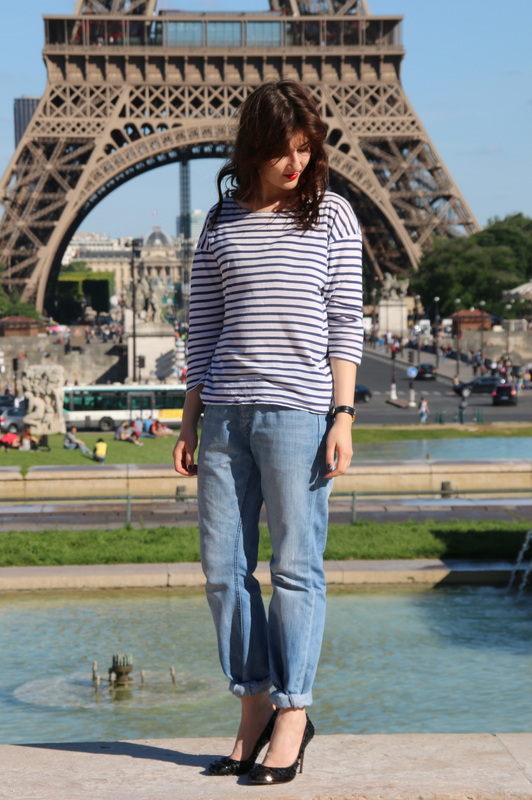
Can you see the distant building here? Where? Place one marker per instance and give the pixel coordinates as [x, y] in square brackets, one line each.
[197, 220]
[23, 112]
[21, 326]
[160, 256]
[101, 254]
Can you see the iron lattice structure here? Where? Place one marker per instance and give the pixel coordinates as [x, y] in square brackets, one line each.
[129, 90]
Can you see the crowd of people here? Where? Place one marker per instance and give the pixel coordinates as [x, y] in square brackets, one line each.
[504, 367]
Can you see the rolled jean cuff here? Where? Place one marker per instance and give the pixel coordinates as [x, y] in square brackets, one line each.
[251, 688]
[282, 700]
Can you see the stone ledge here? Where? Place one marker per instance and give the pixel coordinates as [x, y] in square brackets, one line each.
[413, 572]
[337, 767]
[404, 476]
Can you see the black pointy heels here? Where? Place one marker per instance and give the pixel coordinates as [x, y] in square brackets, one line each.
[230, 766]
[269, 775]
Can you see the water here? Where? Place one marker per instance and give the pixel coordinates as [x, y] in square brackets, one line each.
[426, 661]
[488, 449]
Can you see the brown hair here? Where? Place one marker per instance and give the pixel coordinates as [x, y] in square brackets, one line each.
[267, 120]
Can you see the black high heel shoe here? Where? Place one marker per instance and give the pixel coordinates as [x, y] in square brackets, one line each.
[230, 766]
[269, 775]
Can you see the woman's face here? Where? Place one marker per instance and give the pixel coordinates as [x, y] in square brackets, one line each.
[282, 174]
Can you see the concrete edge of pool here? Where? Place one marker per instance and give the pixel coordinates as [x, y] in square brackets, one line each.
[337, 767]
[414, 572]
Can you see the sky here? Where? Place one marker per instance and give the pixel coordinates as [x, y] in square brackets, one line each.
[467, 73]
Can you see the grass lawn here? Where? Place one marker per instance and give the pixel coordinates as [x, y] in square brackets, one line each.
[364, 540]
[159, 451]
[153, 451]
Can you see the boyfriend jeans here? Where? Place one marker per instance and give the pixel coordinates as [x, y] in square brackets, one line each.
[250, 454]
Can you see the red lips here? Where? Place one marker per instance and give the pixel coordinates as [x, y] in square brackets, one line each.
[292, 176]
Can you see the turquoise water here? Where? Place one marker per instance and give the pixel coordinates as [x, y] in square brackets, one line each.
[426, 661]
[489, 448]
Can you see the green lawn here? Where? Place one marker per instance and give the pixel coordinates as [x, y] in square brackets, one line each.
[159, 451]
[153, 451]
[364, 540]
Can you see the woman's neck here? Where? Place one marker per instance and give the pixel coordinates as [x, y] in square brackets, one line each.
[264, 204]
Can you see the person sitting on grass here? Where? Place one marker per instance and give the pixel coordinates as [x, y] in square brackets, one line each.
[10, 441]
[124, 433]
[28, 441]
[100, 451]
[159, 430]
[71, 442]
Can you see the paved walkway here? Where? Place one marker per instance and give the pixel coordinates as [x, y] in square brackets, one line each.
[347, 767]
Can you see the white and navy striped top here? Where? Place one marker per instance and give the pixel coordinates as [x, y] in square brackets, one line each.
[270, 304]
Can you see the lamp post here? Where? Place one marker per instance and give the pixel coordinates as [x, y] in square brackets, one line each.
[508, 308]
[437, 330]
[134, 244]
[481, 304]
[373, 317]
[457, 328]
[417, 298]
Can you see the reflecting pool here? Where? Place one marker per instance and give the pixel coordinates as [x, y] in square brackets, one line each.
[443, 660]
[481, 449]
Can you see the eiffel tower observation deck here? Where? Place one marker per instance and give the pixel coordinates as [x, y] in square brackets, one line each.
[130, 89]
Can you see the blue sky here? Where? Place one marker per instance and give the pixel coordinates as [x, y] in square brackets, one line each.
[467, 73]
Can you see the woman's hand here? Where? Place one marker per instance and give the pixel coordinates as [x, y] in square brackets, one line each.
[339, 446]
[184, 450]
[187, 442]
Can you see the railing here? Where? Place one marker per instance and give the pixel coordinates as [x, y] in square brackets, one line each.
[444, 497]
[231, 30]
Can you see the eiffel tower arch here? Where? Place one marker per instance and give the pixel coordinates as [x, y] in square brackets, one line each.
[129, 90]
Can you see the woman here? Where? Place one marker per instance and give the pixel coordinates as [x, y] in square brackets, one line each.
[275, 338]
[27, 440]
[423, 409]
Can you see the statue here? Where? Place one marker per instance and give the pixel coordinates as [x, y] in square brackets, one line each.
[394, 288]
[148, 300]
[43, 393]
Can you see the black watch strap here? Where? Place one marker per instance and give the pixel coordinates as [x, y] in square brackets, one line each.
[351, 410]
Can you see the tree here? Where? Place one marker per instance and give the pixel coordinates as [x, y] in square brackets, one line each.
[480, 267]
[76, 266]
[11, 306]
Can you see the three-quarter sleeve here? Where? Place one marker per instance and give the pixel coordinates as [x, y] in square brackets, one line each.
[206, 310]
[343, 293]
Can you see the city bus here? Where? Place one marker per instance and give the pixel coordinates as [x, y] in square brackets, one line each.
[104, 407]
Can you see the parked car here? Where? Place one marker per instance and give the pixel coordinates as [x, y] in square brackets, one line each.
[504, 394]
[426, 372]
[362, 393]
[484, 385]
[11, 419]
[6, 400]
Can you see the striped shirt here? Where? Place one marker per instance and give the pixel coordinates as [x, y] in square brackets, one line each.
[270, 304]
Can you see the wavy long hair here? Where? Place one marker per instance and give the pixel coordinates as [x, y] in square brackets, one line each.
[267, 121]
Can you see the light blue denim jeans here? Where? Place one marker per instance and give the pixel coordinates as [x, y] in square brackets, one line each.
[250, 454]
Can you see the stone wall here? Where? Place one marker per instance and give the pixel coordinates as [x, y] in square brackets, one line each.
[495, 343]
[95, 363]
[444, 478]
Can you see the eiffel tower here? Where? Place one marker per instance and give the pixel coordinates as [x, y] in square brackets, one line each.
[129, 90]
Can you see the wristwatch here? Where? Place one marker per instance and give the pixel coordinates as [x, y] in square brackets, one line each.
[351, 410]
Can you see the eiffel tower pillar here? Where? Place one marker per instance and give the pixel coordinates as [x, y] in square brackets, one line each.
[129, 91]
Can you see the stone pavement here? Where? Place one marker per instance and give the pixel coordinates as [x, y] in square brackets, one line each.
[420, 571]
[339, 767]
